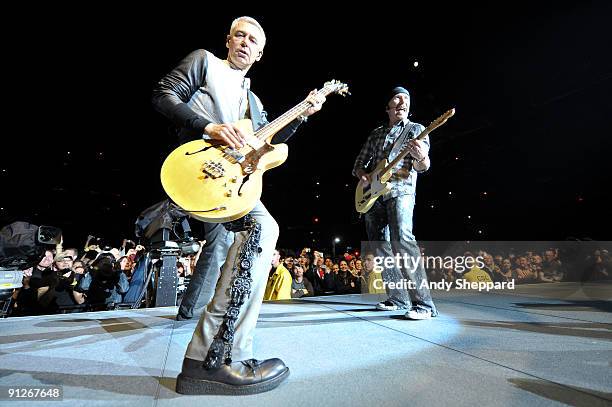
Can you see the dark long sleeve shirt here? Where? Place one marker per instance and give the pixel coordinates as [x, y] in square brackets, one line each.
[204, 89]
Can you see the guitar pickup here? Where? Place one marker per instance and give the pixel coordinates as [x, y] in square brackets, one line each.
[213, 169]
[233, 156]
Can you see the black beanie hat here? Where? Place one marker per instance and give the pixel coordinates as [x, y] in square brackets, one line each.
[398, 90]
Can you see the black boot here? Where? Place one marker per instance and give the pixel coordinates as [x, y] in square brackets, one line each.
[239, 378]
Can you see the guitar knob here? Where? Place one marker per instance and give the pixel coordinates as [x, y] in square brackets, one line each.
[228, 193]
[235, 178]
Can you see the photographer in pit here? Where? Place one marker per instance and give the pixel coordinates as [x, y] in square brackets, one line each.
[25, 256]
[104, 284]
[65, 298]
[54, 286]
[48, 287]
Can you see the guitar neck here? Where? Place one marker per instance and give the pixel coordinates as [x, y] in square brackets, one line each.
[275, 126]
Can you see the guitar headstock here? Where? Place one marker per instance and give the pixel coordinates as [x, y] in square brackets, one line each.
[335, 86]
[442, 119]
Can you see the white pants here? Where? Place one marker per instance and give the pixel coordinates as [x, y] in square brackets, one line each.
[212, 317]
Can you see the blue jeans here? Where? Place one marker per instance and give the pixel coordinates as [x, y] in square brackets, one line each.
[204, 279]
[389, 228]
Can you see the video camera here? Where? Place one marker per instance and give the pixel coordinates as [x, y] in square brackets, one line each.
[22, 245]
[166, 228]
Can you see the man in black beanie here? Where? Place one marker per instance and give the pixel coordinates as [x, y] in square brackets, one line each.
[389, 221]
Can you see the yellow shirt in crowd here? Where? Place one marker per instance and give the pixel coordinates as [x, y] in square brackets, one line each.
[279, 285]
[476, 275]
[376, 276]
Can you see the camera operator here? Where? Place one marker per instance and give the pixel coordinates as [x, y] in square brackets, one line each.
[105, 283]
[54, 285]
[43, 281]
[25, 300]
[64, 296]
[36, 282]
[22, 246]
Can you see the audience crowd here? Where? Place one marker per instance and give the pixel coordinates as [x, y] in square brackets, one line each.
[98, 277]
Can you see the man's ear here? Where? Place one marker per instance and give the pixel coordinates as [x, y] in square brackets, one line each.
[259, 55]
[227, 41]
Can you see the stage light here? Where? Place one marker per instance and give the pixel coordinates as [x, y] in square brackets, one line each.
[334, 242]
[469, 216]
[416, 63]
[317, 182]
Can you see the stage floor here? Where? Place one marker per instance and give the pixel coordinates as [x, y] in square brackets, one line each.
[546, 344]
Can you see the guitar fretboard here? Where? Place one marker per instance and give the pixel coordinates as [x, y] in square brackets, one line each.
[276, 125]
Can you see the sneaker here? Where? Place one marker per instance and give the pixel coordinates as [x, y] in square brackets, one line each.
[387, 306]
[418, 314]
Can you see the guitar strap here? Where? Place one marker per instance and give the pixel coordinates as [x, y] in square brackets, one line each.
[254, 112]
[399, 143]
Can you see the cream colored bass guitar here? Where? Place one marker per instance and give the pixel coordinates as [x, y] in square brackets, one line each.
[366, 195]
[216, 183]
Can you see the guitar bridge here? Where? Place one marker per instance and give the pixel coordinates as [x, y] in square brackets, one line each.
[213, 169]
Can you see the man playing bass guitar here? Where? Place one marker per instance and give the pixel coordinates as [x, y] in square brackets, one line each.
[203, 96]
